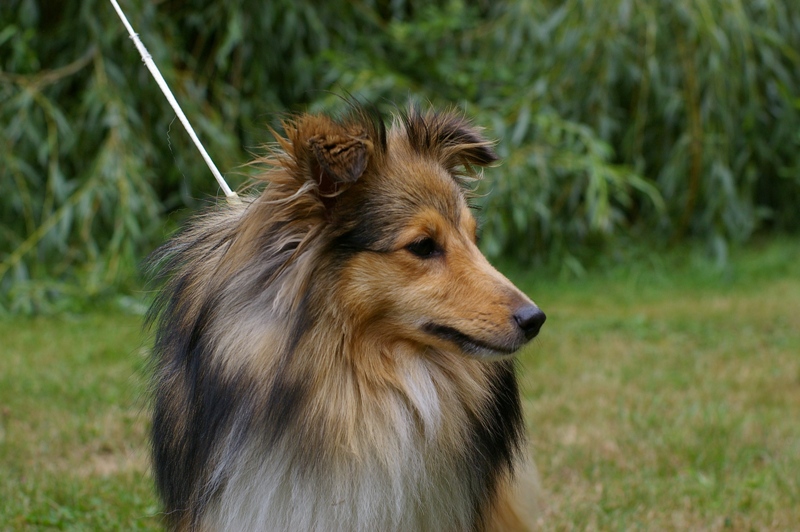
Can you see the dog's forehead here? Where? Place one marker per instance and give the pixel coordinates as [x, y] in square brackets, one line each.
[420, 181]
[396, 196]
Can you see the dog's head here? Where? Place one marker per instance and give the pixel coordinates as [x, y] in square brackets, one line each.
[389, 210]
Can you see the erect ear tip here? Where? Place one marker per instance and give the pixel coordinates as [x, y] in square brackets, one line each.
[448, 135]
[474, 146]
[484, 154]
[340, 158]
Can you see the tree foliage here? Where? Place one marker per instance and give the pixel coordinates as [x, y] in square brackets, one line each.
[680, 119]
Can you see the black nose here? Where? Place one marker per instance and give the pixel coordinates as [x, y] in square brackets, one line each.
[530, 319]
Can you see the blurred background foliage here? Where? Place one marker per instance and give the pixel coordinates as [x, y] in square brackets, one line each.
[619, 121]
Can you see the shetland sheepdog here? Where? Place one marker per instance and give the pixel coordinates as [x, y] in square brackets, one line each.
[334, 353]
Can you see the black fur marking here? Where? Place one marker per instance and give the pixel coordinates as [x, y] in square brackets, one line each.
[363, 237]
[497, 438]
[370, 225]
[185, 449]
[467, 343]
[194, 405]
[284, 403]
[286, 397]
[372, 230]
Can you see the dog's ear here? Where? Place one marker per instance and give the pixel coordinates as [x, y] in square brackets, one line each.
[450, 138]
[461, 143]
[331, 154]
[339, 160]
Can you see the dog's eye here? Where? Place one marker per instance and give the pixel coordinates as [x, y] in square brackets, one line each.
[424, 248]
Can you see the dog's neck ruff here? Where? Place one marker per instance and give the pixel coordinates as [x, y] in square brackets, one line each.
[411, 475]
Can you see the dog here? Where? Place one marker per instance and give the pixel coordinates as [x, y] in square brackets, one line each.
[335, 353]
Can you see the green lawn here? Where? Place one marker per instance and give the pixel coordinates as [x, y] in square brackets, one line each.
[73, 450]
[668, 397]
[659, 396]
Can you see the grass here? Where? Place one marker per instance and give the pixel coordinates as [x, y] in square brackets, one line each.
[660, 396]
[667, 398]
[73, 451]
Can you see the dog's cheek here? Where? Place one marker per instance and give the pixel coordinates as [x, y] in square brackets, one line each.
[377, 286]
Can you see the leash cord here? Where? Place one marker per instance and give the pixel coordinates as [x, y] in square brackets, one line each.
[148, 60]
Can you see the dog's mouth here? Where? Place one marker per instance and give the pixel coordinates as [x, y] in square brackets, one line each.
[471, 345]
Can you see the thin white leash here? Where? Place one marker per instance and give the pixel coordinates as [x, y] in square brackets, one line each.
[148, 60]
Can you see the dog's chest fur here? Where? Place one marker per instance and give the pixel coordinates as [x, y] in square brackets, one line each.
[409, 478]
[362, 496]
